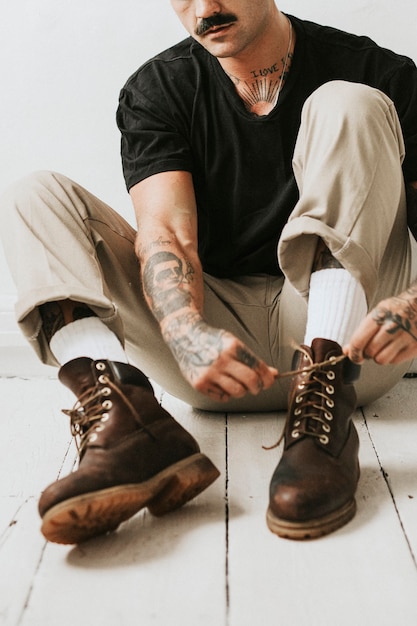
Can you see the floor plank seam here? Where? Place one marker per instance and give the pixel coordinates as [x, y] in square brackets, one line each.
[385, 476]
[4, 535]
[31, 587]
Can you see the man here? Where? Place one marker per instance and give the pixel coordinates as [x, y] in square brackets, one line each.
[268, 170]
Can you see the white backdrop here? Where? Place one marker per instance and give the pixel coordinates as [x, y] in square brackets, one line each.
[62, 63]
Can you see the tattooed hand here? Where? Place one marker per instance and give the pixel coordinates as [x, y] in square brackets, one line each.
[214, 361]
[388, 334]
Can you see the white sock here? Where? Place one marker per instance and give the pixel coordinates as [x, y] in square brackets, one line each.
[336, 306]
[88, 337]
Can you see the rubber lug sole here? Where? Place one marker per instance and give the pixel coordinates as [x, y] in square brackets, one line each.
[311, 529]
[92, 514]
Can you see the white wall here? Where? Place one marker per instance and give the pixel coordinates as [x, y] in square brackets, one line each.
[62, 63]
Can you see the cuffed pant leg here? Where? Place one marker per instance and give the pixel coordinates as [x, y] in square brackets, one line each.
[51, 251]
[62, 242]
[347, 164]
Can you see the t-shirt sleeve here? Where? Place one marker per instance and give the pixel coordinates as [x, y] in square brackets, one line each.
[153, 133]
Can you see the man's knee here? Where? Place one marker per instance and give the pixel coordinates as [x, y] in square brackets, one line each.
[39, 200]
[20, 195]
[354, 98]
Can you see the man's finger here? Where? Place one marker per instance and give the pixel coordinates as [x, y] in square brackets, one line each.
[356, 349]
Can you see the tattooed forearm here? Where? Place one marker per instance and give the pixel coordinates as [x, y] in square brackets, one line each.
[193, 343]
[197, 345]
[145, 248]
[166, 279]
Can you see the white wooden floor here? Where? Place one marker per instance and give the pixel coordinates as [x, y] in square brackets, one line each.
[214, 562]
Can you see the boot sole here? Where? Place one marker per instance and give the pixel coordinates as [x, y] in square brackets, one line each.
[311, 529]
[89, 515]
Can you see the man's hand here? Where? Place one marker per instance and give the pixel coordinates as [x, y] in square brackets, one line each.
[388, 335]
[214, 361]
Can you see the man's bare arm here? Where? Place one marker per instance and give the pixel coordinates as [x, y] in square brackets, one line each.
[212, 360]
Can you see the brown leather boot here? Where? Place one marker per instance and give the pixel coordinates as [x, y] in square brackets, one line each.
[312, 489]
[132, 454]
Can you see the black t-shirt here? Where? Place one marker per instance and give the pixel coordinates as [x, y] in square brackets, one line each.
[180, 111]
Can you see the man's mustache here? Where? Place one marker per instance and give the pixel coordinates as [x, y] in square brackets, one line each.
[214, 21]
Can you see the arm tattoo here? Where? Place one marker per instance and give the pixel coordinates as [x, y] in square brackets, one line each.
[193, 343]
[165, 281]
[196, 345]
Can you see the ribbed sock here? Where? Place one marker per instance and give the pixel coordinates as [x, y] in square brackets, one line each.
[88, 337]
[336, 306]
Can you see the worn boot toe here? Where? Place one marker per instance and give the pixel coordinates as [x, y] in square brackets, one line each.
[312, 490]
[133, 454]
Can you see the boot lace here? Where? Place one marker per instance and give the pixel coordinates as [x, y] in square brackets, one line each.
[313, 401]
[91, 411]
[314, 404]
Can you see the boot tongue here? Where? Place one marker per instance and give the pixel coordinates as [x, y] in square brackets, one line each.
[129, 375]
[77, 375]
[323, 349]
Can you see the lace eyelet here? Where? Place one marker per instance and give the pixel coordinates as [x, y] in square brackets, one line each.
[297, 423]
[330, 403]
[105, 417]
[328, 416]
[99, 428]
[100, 366]
[326, 428]
[330, 389]
[102, 379]
[324, 440]
[297, 412]
[295, 434]
[107, 405]
[299, 399]
[331, 375]
[106, 391]
[92, 438]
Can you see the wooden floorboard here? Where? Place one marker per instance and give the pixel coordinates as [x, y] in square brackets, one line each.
[214, 562]
[362, 572]
[392, 426]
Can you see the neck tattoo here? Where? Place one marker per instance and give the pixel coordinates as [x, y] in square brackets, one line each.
[264, 91]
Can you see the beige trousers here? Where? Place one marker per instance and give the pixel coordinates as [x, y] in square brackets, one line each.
[62, 242]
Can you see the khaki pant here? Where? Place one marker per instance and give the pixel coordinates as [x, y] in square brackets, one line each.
[62, 242]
